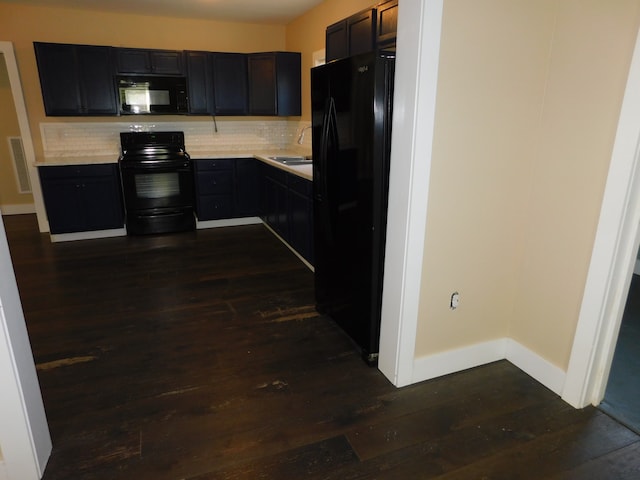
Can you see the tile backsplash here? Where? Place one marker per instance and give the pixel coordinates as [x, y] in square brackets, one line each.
[86, 138]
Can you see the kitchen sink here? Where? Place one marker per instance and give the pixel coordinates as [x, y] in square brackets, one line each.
[292, 160]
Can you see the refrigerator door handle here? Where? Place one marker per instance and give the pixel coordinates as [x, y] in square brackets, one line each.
[328, 147]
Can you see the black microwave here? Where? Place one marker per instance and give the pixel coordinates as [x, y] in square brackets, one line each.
[152, 95]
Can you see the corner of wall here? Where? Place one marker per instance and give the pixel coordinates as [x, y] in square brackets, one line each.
[444, 363]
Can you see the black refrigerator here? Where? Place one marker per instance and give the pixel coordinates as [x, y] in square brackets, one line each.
[351, 101]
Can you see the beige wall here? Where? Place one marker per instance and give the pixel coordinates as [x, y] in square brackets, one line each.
[588, 68]
[306, 34]
[23, 25]
[9, 194]
[528, 99]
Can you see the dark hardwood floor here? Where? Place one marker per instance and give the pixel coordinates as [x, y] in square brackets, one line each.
[199, 356]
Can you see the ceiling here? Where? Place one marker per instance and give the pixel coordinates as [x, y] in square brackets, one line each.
[253, 11]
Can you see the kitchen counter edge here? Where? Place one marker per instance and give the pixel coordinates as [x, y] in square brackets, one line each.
[304, 171]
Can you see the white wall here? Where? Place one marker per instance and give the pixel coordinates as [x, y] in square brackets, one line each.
[24, 433]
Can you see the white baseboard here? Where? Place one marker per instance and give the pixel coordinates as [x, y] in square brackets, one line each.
[452, 361]
[70, 237]
[433, 366]
[228, 222]
[19, 209]
[535, 366]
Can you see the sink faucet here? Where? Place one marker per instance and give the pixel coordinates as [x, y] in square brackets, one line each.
[301, 137]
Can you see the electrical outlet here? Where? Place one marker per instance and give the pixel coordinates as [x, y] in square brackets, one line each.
[455, 300]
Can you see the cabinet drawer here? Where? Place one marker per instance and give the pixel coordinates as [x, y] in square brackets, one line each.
[217, 164]
[214, 207]
[214, 182]
[77, 171]
[300, 185]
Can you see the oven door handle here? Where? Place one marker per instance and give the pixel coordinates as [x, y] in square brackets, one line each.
[180, 168]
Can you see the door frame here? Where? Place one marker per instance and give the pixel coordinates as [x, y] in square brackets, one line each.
[613, 257]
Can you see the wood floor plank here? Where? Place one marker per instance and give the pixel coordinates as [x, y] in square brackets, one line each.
[620, 464]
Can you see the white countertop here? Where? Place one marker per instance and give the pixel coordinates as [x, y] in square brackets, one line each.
[304, 171]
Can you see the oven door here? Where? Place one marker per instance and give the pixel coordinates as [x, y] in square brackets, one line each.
[152, 185]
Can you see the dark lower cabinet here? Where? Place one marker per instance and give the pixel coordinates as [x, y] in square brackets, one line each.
[214, 189]
[300, 213]
[82, 198]
[76, 79]
[227, 188]
[288, 209]
[247, 187]
[275, 200]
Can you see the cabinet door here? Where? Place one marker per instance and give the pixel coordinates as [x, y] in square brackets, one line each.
[387, 24]
[288, 86]
[82, 198]
[361, 32]
[336, 43]
[76, 79]
[102, 202]
[200, 83]
[262, 84]
[274, 84]
[230, 83]
[159, 62]
[59, 79]
[300, 212]
[166, 62]
[97, 88]
[63, 204]
[247, 188]
[275, 200]
[133, 60]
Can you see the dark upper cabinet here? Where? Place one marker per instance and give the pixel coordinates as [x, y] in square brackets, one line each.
[387, 25]
[274, 83]
[230, 83]
[336, 42]
[363, 32]
[80, 79]
[200, 80]
[76, 79]
[145, 61]
[353, 35]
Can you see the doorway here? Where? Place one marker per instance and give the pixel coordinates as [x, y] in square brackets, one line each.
[623, 387]
[15, 188]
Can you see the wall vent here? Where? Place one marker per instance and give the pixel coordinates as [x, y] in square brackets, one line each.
[20, 164]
